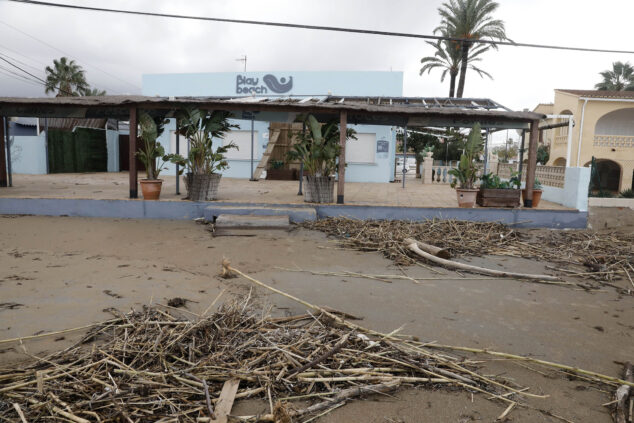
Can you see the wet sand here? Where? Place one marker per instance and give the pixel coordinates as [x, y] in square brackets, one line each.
[58, 273]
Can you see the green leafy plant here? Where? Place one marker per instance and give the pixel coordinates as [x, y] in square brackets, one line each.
[628, 193]
[277, 164]
[466, 173]
[516, 180]
[318, 147]
[537, 184]
[201, 127]
[152, 153]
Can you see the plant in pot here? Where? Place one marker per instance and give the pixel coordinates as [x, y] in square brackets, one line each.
[318, 149]
[277, 172]
[152, 154]
[537, 193]
[495, 192]
[465, 174]
[204, 162]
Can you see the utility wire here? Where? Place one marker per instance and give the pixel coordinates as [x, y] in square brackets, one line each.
[36, 77]
[68, 54]
[20, 62]
[15, 75]
[316, 27]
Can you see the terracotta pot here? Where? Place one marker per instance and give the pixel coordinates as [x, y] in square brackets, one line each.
[537, 196]
[151, 188]
[466, 197]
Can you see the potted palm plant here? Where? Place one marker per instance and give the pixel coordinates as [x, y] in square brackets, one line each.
[204, 161]
[318, 149]
[152, 154]
[466, 173]
[537, 193]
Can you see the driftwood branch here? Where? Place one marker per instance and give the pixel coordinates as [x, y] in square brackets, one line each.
[413, 246]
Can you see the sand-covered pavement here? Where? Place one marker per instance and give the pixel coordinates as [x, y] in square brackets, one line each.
[59, 273]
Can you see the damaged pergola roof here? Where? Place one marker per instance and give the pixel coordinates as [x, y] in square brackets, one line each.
[411, 112]
[394, 111]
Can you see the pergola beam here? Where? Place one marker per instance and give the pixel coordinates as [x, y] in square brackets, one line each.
[343, 132]
[134, 193]
[532, 163]
[3, 155]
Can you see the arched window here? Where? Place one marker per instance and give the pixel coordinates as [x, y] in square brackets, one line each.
[615, 129]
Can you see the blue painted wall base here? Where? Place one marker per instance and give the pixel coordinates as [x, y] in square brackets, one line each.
[187, 210]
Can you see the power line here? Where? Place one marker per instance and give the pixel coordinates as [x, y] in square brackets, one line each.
[316, 27]
[68, 54]
[20, 61]
[15, 75]
[36, 77]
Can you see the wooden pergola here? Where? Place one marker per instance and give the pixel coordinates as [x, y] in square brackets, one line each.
[408, 112]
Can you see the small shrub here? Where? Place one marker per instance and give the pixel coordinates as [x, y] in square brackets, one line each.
[601, 194]
[628, 193]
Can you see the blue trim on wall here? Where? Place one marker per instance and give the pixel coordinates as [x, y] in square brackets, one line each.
[186, 210]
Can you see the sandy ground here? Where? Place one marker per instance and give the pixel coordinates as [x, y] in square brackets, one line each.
[115, 186]
[64, 272]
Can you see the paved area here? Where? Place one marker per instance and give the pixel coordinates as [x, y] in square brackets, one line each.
[114, 186]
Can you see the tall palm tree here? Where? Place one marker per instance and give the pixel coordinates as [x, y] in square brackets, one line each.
[66, 77]
[92, 91]
[620, 78]
[471, 20]
[448, 57]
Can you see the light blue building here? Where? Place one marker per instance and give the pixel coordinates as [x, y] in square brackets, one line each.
[371, 158]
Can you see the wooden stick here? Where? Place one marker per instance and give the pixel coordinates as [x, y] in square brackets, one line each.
[19, 411]
[412, 245]
[622, 394]
[225, 400]
[412, 344]
[322, 357]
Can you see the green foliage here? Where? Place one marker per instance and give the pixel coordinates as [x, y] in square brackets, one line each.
[472, 20]
[92, 92]
[628, 193]
[601, 194]
[466, 173]
[543, 154]
[448, 56]
[492, 181]
[201, 127]
[66, 78]
[152, 153]
[277, 164]
[620, 78]
[318, 147]
[506, 152]
[537, 184]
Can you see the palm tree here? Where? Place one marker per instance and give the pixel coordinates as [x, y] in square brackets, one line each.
[447, 57]
[92, 92]
[66, 77]
[620, 78]
[470, 20]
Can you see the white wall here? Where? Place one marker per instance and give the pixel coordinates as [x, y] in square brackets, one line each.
[112, 145]
[28, 154]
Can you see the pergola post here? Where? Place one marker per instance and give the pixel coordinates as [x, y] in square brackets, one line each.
[3, 156]
[532, 163]
[134, 193]
[343, 131]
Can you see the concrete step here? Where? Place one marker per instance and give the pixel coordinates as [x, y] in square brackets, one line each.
[249, 225]
[295, 214]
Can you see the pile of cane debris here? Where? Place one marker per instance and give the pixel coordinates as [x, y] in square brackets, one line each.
[156, 365]
[591, 256]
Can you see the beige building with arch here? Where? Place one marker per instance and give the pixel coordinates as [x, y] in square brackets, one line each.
[603, 128]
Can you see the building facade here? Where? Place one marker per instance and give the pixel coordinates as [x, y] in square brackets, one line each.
[370, 158]
[603, 129]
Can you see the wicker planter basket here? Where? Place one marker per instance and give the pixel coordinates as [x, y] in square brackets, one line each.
[319, 189]
[202, 187]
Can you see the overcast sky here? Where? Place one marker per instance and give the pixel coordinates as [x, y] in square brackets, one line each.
[116, 49]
